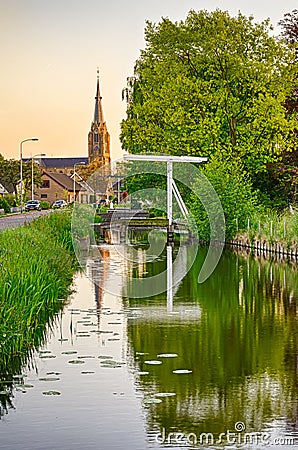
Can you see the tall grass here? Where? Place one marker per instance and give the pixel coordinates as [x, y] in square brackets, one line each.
[36, 270]
[273, 227]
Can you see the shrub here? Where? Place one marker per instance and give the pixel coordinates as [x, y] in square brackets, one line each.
[4, 205]
[235, 193]
[45, 205]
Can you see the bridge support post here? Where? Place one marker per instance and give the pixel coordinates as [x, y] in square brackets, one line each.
[170, 235]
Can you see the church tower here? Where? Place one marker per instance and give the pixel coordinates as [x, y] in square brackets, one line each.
[98, 136]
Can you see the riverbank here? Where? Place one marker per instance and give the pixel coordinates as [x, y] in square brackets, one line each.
[37, 265]
[269, 234]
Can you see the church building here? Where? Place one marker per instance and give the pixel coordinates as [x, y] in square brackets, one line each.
[98, 136]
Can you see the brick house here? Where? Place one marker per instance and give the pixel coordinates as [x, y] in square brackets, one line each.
[59, 186]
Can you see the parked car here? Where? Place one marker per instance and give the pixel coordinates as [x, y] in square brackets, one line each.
[59, 204]
[32, 205]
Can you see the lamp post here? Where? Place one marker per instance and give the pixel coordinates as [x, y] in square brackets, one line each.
[21, 168]
[74, 178]
[32, 173]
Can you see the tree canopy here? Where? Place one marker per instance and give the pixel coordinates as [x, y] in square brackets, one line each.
[212, 83]
[10, 173]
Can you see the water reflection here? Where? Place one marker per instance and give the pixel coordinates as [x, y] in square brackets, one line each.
[234, 338]
[241, 349]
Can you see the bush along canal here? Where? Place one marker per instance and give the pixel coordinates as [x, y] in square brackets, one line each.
[37, 265]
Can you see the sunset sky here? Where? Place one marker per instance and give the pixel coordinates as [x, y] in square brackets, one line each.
[50, 50]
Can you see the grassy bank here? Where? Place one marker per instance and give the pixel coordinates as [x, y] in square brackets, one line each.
[36, 269]
[273, 228]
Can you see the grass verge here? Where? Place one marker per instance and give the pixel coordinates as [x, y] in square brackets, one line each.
[37, 265]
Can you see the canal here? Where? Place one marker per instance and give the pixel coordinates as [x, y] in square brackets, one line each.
[215, 366]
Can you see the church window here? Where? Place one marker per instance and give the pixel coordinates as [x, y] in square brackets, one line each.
[95, 137]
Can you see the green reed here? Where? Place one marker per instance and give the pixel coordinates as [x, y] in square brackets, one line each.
[273, 227]
[36, 269]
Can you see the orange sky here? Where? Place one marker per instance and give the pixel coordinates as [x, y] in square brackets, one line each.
[50, 50]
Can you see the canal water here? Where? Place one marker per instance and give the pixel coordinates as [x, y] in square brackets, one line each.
[213, 365]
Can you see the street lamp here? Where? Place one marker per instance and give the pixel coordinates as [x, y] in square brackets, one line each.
[32, 173]
[74, 178]
[21, 168]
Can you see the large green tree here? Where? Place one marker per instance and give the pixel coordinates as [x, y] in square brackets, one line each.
[212, 83]
[10, 173]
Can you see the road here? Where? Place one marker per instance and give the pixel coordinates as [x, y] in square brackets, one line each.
[17, 220]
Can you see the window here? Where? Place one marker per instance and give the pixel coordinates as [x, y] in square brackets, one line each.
[44, 196]
[45, 184]
[95, 137]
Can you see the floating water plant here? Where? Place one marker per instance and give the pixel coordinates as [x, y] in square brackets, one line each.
[153, 362]
[76, 361]
[51, 393]
[165, 394]
[49, 379]
[182, 371]
[152, 400]
[167, 355]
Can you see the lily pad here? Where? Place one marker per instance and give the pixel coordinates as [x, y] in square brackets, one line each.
[167, 355]
[109, 362]
[4, 393]
[153, 362]
[87, 372]
[47, 356]
[105, 357]
[49, 379]
[143, 373]
[85, 357]
[111, 366]
[76, 361]
[182, 371]
[152, 400]
[165, 394]
[71, 352]
[51, 393]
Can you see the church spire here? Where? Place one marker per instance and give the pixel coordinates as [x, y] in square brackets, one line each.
[98, 136]
[98, 114]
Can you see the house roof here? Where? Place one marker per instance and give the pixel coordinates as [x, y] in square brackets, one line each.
[64, 180]
[56, 163]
